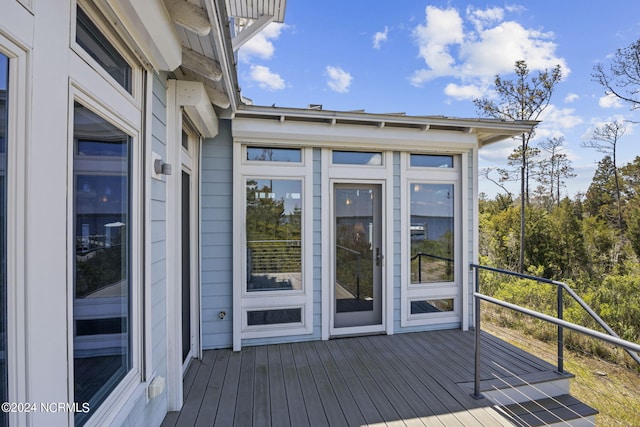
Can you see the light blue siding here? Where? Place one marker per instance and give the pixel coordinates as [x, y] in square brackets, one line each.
[397, 243]
[216, 238]
[139, 412]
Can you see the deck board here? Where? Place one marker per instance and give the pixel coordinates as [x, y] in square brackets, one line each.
[417, 379]
[295, 401]
[244, 397]
[261, 394]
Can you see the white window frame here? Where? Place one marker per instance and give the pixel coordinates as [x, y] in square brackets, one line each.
[15, 178]
[243, 300]
[96, 90]
[457, 289]
[136, 95]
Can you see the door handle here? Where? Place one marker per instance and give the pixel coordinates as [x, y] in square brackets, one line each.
[379, 257]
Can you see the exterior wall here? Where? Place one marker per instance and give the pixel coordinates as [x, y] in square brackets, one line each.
[141, 412]
[396, 174]
[217, 239]
[397, 243]
[50, 74]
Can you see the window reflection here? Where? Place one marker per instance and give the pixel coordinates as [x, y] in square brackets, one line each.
[274, 230]
[91, 39]
[431, 161]
[270, 154]
[102, 288]
[432, 233]
[4, 116]
[356, 158]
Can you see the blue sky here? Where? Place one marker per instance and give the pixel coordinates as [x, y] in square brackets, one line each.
[434, 58]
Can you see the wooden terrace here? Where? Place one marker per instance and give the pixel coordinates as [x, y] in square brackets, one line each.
[415, 379]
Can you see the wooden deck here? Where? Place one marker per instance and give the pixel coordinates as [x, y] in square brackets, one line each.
[406, 379]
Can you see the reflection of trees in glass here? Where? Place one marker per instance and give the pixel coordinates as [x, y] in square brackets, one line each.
[98, 269]
[273, 234]
[433, 260]
[354, 256]
[432, 232]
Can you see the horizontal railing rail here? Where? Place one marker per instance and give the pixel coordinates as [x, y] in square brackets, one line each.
[610, 337]
[419, 256]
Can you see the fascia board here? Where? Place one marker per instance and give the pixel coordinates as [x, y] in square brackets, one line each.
[353, 136]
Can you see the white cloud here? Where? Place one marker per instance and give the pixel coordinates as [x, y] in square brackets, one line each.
[571, 97]
[555, 122]
[491, 46]
[261, 45]
[610, 101]
[379, 37]
[463, 92]
[265, 78]
[339, 80]
[481, 18]
[442, 28]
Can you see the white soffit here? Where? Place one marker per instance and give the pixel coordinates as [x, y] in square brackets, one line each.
[152, 29]
[193, 97]
[254, 9]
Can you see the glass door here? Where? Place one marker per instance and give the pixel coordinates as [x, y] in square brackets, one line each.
[358, 255]
[186, 267]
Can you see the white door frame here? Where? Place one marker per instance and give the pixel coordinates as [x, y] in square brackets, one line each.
[189, 164]
[180, 160]
[379, 224]
[349, 174]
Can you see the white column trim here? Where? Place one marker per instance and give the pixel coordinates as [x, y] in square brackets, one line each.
[173, 296]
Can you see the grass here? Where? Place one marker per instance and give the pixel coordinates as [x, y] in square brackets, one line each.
[611, 389]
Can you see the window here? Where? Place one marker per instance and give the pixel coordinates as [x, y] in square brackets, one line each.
[431, 161]
[4, 120]
[357, 158]
[274, 234]
[274, 317]
[91, 39]
[270, 154]
[432, 232]
[102, 340]
[430, 306]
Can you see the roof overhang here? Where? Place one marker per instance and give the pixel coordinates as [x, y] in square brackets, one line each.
[313, 125]
[151, 29]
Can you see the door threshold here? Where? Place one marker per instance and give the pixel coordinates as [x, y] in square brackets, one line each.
[357, 331]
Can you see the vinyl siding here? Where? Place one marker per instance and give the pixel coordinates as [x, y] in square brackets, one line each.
[139, 412]
[216, 238]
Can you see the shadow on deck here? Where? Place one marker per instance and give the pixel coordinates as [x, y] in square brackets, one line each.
[423, 378]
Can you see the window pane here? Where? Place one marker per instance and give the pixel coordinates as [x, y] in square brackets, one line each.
[431, 161]
[357, 158]
[432, 239]
[274, 317]
[267, 154]
[185, 140]
[99, 48]
[102, 272]
[274, 230]
[432, 306]
[4, 116]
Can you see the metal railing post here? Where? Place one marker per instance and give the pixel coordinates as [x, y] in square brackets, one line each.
[476, 380]
[560, 332]
[419, 267]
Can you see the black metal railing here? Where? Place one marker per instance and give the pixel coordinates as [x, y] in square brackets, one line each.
[358, 258]
[419, 256]
[611, 337]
